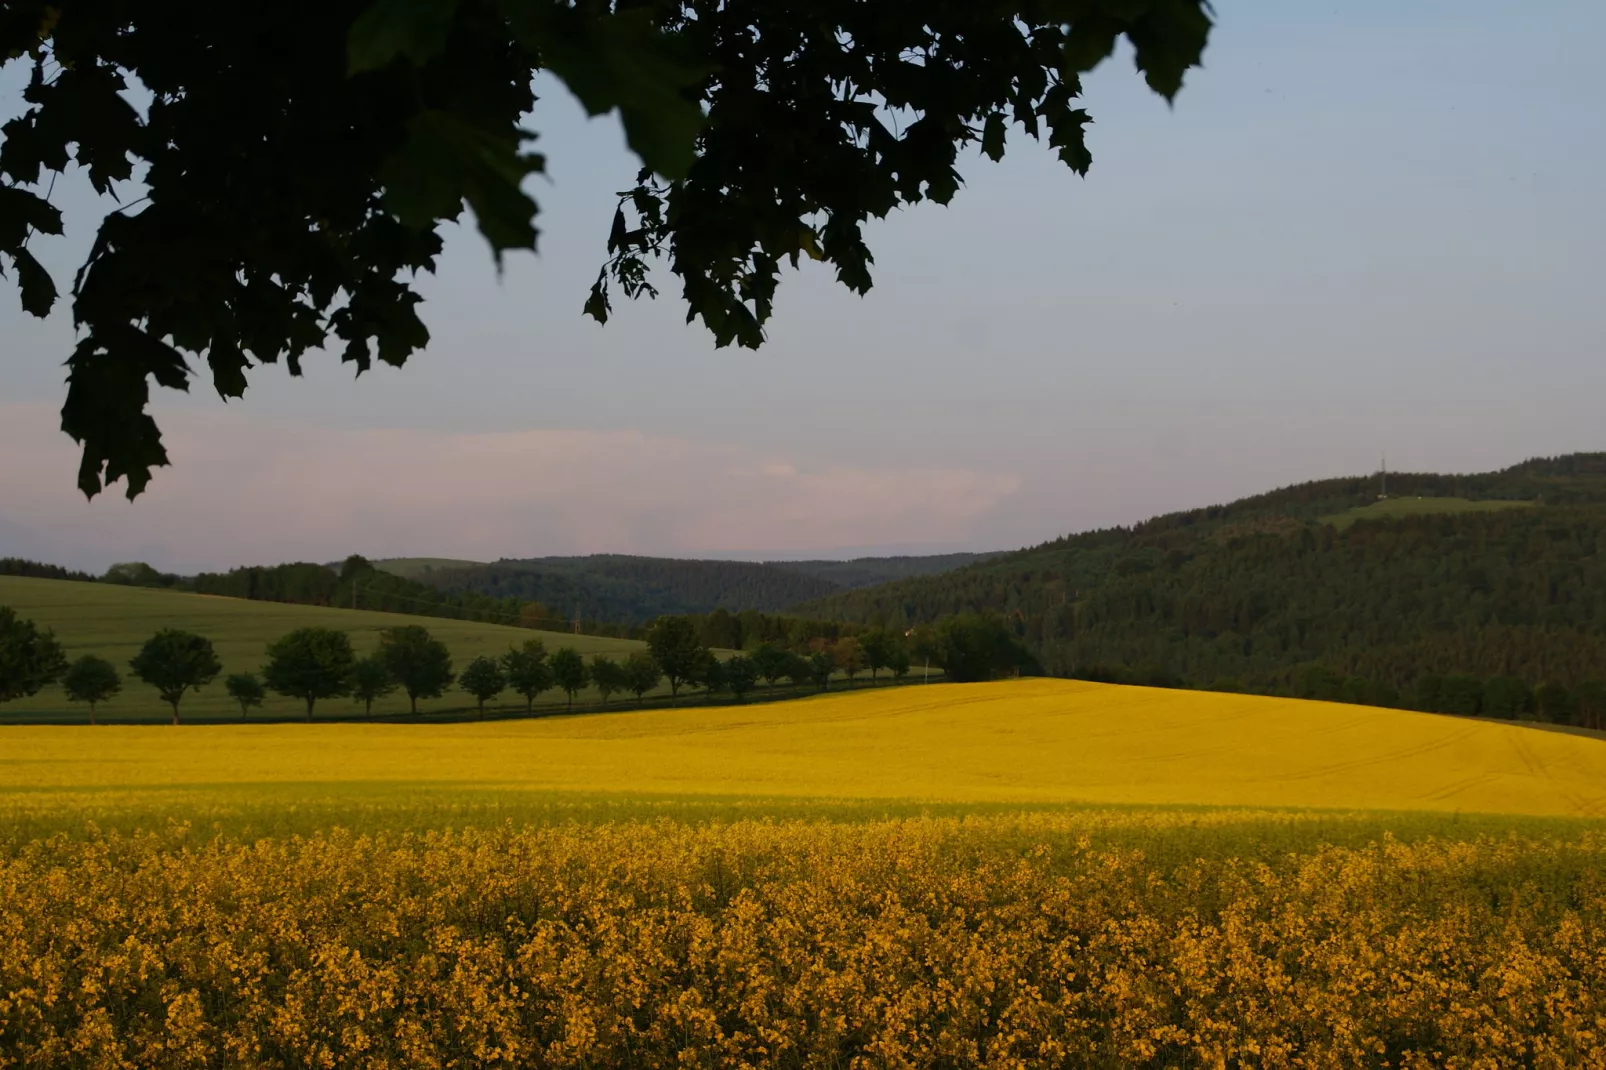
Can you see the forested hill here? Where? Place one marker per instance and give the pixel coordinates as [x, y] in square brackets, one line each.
[869, 571]
[1317, 589]
[636, 589]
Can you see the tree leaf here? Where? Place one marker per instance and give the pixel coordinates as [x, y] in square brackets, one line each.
[38, 288]
[107, 393]
[1068, 134]
[22, 211]
[415, 30]
[1168, 39]
[597, 305]
[1090, 42]
[621, 61]
[992, 137]
[446, 160]
[228, 366]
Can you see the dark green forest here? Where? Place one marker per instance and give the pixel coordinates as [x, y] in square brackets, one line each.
[634, 590]
[869, 571]
[1267, 595]
[18, 566]
[354, 584]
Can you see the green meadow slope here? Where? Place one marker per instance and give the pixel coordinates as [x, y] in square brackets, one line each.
[1395, 508]
[112, 621]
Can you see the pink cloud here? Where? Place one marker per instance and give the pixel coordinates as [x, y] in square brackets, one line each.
[245, 490]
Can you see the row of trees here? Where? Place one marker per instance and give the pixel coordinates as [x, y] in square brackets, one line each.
[314, 664]
[31, 659]
[966, 647]
[308, 664]
[357, 584]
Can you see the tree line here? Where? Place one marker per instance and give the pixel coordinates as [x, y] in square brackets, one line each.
[314, 664]
[357, 584]
[635, 590]
[354, 584]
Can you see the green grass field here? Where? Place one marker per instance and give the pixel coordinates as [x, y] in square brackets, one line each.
[1392, 508]
[112, 621]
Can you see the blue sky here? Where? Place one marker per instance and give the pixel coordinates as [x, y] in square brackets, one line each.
[1364, 228]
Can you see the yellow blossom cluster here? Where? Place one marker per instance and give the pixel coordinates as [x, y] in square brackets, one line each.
[981, 941]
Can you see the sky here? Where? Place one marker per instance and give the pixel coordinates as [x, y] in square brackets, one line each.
[1364, 229]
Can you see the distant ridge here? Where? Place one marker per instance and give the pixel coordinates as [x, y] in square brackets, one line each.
[1491, 580]
[631, 589]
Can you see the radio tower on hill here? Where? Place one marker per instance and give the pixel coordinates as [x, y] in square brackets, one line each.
[1383, 474]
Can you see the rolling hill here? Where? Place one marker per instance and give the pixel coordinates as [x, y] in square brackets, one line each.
[633, 590]
[418, 568]
[1022, 742]
[1317, 589]
[112, 621]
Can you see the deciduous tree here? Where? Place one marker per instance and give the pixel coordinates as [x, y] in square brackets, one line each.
[799, 670]
[310, 664]
[710, 672]
[879, 646]
[677, 649]
[569, 671]
[898, 661]
[608, 676]
[174, 661]
[420, 664]
[741, 673]
[528, 672]
[771, 661]
[30, 657]
[821, 666]
[643, 672]
[92, 680]
[848, 656]
[370, 681]
[299, 160]
[246, 689]
[484, 679]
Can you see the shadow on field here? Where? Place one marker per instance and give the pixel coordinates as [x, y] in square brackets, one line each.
[455, 714]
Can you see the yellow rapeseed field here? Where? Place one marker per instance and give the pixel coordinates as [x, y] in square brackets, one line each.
[920, 877]
[990, 942]
[1025, 741]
